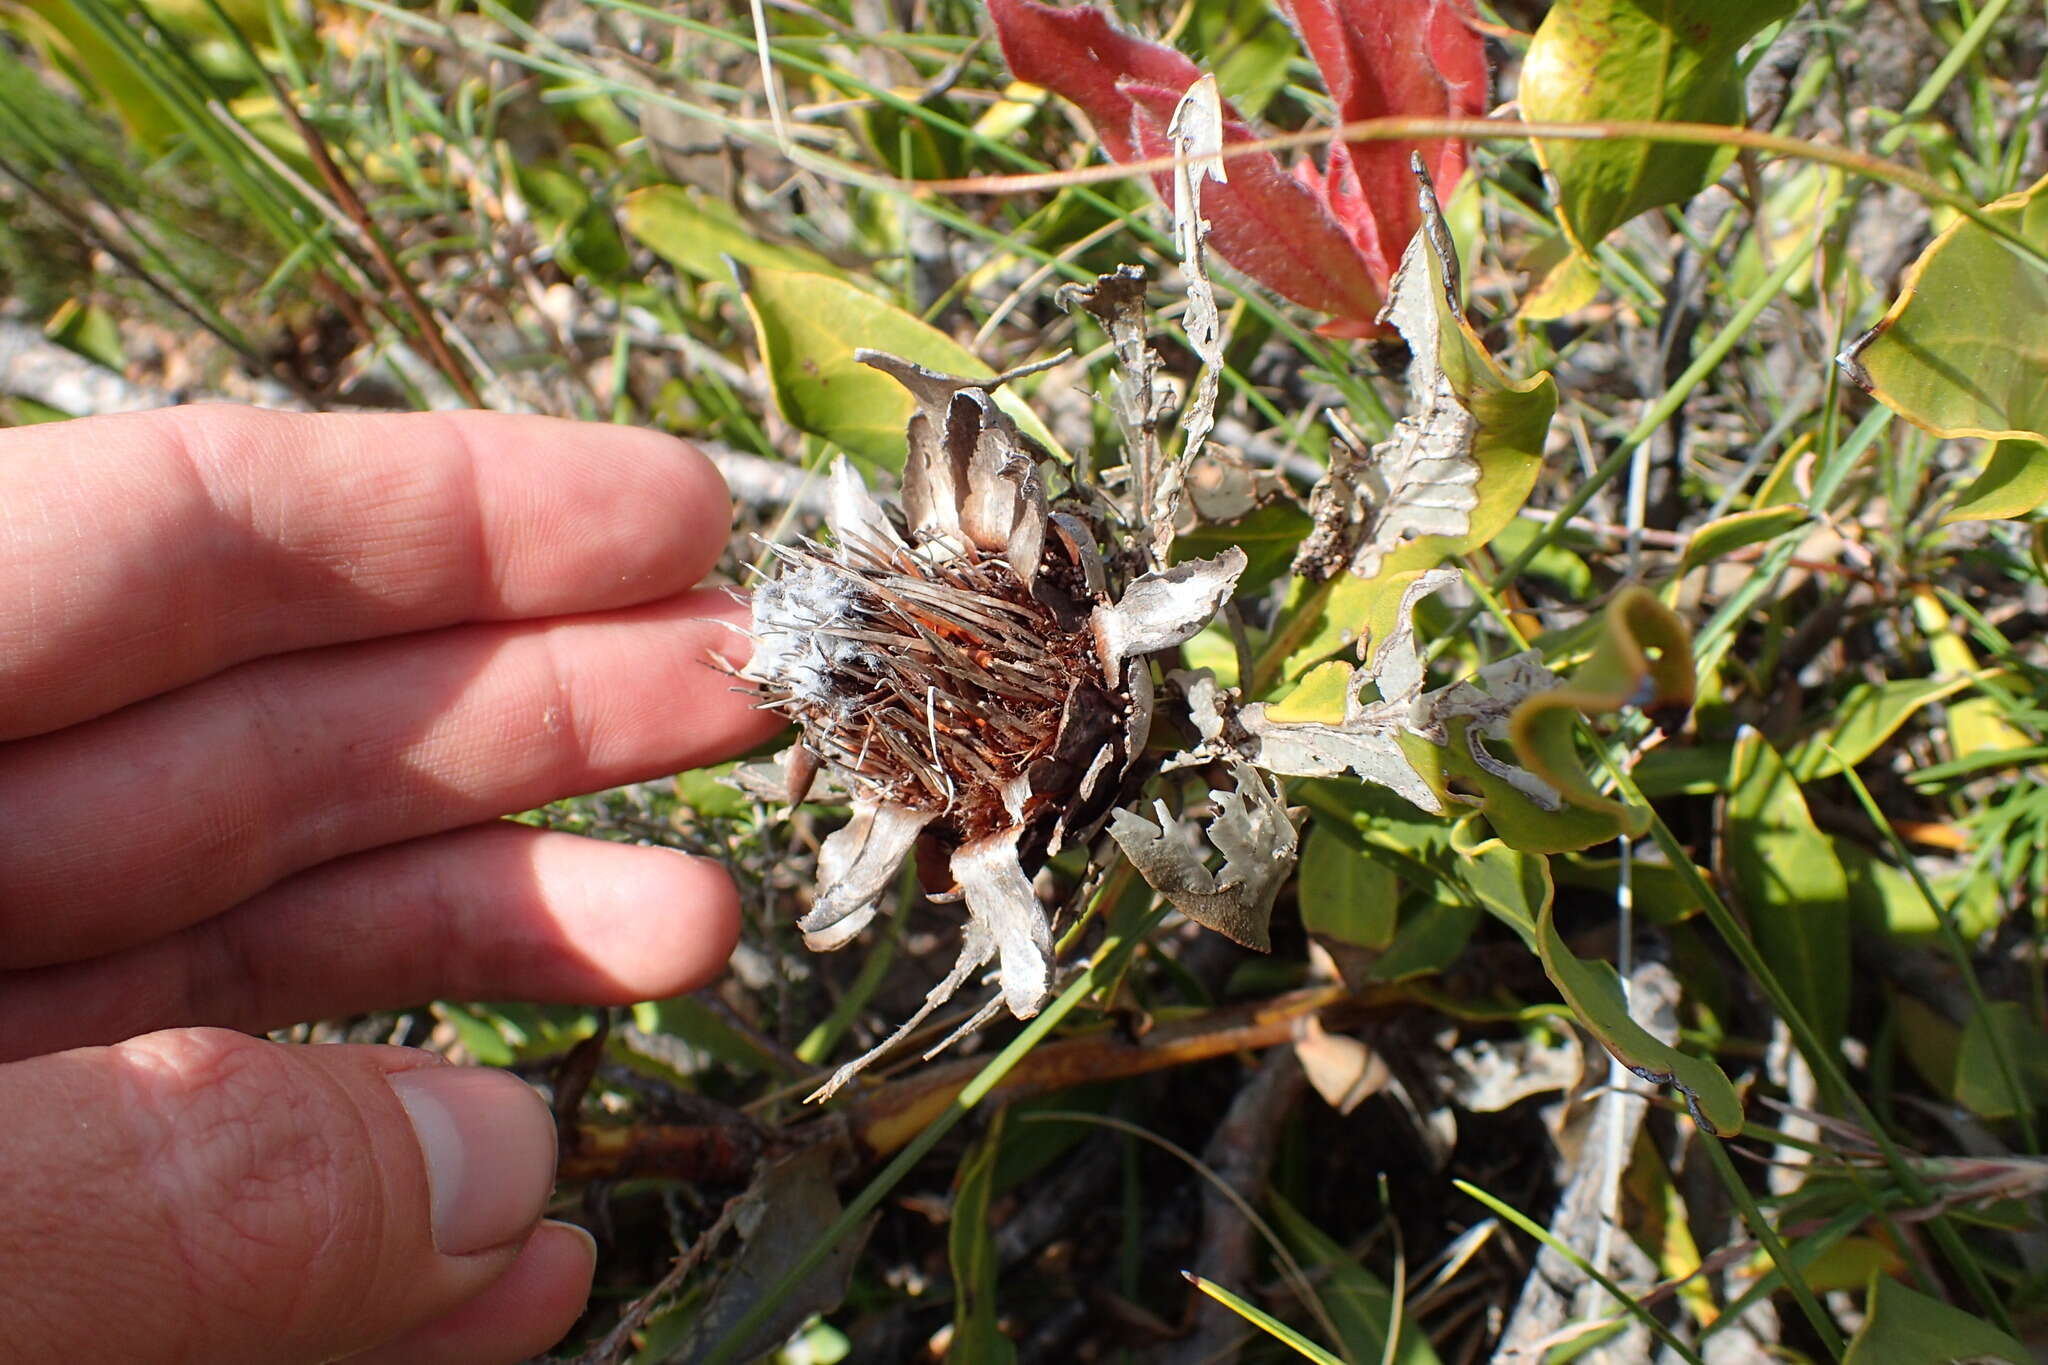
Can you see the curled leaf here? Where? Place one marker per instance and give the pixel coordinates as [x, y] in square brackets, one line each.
[856, 863]
[1160, 610]
[1642, 661]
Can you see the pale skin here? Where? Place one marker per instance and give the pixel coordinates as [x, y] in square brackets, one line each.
[265, 683]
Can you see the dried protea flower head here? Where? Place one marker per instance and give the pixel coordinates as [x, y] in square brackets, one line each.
[971, 670]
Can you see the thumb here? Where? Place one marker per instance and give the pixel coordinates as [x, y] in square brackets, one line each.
[246, 1201]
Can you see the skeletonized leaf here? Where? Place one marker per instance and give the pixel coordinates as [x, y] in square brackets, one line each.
[1421, 480]
[1196, 132]
[1374, 738]
[1257, 839]
[1508, 423]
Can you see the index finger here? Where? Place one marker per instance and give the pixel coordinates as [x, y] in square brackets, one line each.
[144, 551]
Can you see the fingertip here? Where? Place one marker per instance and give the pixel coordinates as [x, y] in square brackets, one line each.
[647, 922]
[525, 1312]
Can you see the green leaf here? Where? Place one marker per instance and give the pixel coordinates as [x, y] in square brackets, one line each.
[1662, 893]
[1250, 47]
[1721, 538]
[1867, 715]
[2014, 483]
[586, 240]
[696, 234]
[91, 331]
[1432, 935]
[1263, 1320]
[1981, 1084]
[1593, 990]
[700, 1026]
[1358, 1301]
[971, 1252]
[1565, 570]
[1886, 900]
[706, 793]
[809, 327]
[1906, 1327]
[1268, 536]
[1961, 350]
[1790, 884]
[1344, 892]
[1514, 887]
[1649, 60]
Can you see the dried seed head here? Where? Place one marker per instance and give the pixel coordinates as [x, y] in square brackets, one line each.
[936, 682]
[963, 672]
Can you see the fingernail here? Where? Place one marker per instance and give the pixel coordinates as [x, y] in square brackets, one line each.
[489, 1146]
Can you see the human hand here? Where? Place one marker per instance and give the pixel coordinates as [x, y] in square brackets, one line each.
[265, 682]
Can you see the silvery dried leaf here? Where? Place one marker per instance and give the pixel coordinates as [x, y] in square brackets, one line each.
[1254, 833]
[1367, 741]
[856, 863]
[1421, 480]
[1117, 301]
[1196, 134]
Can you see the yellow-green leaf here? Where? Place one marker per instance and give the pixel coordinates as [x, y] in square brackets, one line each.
[697, 234]
[1649, 60]
[1963, 350]
[2014, 483]
[1718, 539]
[1982, 1083]
[809, 326]
[1593, 990]
[1867, 715]
[1345, 893]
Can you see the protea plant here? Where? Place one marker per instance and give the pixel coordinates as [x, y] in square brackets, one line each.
[971, 669]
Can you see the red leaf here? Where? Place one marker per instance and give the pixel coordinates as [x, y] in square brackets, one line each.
[1080, 56]
[1262, 220]
[1383, 58]
[1267, 223]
